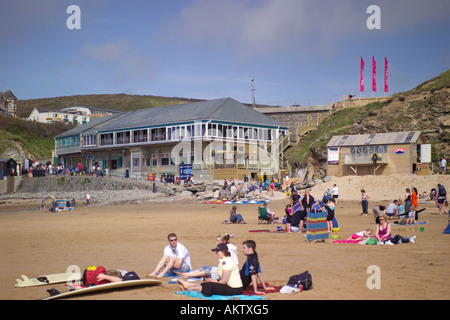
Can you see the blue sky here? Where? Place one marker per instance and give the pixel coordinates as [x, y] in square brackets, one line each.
[298, 51]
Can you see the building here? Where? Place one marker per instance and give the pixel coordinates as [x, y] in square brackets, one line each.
[378, 154]
[8, 103]
[76, 114]
[216, 139]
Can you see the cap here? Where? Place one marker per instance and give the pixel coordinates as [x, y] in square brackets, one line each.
[220, 247]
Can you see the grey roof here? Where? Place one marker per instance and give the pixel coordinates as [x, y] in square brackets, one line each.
[225, 110]
[375, 139]
[90, 126]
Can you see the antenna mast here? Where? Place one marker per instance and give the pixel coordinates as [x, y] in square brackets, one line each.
[253, 91]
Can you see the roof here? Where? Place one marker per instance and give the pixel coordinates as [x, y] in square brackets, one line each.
[9, 95]
[91, 125]
[224, 110]
[375, 139]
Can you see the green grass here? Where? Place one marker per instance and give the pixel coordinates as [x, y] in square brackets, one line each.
[337, 124]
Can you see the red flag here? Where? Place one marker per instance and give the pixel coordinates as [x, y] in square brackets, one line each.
[386, 84]
[374, 75]
[361, 77]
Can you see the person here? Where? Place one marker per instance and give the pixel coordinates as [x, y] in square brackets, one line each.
[330, 206]
[270, 213]
[175, 258]
[361, 235]
[295, 198]
[42, 205]
[235, 217]
[117, 276]
[335, 192]
[272, 187]
[288, 212]
[88, 200]
[364, 202]
[378, 211]
[154, 187]
[307, 202]
[383, 232]
[229, 282]
[441, 198]
[401, 208]
[251, 270]
[392, 209]
[211, 271]
[443, 165]
[407, 200]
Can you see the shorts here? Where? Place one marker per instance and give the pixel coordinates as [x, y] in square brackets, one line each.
[335, 196]
[183, 269]
[211, 272]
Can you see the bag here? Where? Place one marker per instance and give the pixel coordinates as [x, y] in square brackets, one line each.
[131, 276]
[90, 276]
[304, 279]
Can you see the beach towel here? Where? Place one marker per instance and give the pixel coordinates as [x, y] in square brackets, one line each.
[198, 295]
[346, 241]
[447, 230]
[249, 291]
[316, 226]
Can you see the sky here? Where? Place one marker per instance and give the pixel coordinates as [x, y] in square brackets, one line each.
[306, 52]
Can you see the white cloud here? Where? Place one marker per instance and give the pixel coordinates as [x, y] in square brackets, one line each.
[259, 28]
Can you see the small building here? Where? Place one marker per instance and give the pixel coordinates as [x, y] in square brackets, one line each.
[76, 114]
[8, 103]
[378, 154]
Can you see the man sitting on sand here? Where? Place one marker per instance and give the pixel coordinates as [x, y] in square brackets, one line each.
[251, 270]
[176, 258]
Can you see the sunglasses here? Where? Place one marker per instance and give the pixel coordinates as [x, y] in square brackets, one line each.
[172, 240]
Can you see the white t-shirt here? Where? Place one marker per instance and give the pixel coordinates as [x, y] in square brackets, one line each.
[391, 208]
[335, 191]
[179, 251]
[233, 251]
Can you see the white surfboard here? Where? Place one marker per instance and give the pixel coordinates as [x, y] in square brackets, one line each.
[47, 279]
[106, 286]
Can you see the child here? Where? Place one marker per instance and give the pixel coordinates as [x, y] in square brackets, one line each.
[42, 205]
[361, 235]
[401, 207]
[330, 208]
[411, 215]
[364, 202]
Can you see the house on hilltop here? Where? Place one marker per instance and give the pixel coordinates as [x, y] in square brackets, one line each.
[75, 114]
[8, 103]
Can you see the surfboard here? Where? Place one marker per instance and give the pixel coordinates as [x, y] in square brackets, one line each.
[47, 279]
[106, 287]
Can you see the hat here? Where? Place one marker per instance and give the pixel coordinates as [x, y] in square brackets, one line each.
[220, 247]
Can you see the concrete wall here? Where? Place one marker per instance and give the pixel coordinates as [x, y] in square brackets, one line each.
[10, 184]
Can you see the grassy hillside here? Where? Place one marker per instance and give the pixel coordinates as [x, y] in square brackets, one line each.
[35, 139]
[120, 102]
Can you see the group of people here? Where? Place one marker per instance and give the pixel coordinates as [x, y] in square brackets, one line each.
[295, 219]
[225, 279]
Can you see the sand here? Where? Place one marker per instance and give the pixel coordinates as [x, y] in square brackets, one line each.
[132, 237]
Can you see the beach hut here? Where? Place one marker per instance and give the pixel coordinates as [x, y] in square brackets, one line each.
[7, 167]
[378, 154]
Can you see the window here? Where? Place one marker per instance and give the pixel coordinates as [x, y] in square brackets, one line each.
[154, 160]
[166, 160]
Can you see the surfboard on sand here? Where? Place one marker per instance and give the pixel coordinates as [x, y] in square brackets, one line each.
[47, 279]
[105, 287]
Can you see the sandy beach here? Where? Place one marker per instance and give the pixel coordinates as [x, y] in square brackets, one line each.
[132, 237]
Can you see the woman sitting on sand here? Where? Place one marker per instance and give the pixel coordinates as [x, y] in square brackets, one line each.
[229, 282]
[383, 230]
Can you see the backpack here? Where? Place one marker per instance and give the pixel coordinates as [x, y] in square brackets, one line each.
[90, 276]
[304, 279]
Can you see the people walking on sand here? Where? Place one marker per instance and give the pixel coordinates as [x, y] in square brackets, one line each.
[88, 200]
[443, 165]
[441, 198]
[335, 193]
[364, 202]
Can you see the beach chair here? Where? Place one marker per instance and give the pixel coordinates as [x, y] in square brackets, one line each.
[263, 217]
